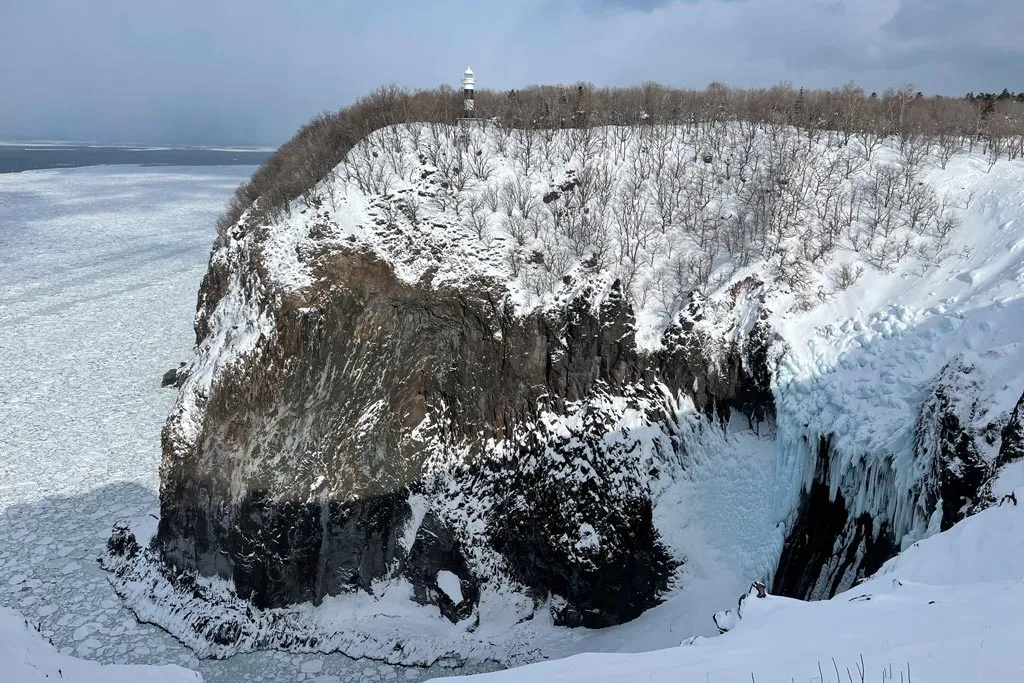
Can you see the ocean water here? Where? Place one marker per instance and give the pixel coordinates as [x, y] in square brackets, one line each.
[16, 157]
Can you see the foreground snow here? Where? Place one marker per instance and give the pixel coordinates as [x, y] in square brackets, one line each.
[948, 610]
[26, 658]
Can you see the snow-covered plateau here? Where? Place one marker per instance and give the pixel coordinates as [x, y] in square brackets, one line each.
[478, 387]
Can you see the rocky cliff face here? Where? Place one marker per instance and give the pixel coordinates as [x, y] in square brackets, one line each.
[385, 393]
[297, 486]
[949, 438]
[375, 430]
[369, 391]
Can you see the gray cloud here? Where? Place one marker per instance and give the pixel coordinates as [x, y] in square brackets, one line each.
[958, 21]
[631, 5]
[251, 71]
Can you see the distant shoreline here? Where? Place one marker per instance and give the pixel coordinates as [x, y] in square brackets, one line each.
[30, 156]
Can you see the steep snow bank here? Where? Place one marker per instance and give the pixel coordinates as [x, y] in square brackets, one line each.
[984, 548]
[26, 658]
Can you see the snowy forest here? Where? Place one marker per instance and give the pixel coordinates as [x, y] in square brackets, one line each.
[672, 190]
[941, 125]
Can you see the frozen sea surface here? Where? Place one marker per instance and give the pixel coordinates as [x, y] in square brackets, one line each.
[99, 269]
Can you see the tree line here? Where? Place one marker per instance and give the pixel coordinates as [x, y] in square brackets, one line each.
[944, 126]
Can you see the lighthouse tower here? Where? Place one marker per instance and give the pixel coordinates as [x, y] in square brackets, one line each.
[468, 86]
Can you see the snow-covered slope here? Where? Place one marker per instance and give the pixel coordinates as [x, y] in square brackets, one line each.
[949, 609]
[25, 657]
[861, 363]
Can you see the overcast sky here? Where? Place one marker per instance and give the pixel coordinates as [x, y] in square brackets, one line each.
[250, 71]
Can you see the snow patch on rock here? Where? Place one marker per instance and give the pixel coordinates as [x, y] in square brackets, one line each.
[449, 583]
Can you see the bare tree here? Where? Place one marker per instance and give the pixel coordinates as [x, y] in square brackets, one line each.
[845, 276]
[481, 165]
[476, 217]
[633, 232]
[525, 155]
[492, 198]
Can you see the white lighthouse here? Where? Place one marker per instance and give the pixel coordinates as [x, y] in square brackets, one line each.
[468, 86]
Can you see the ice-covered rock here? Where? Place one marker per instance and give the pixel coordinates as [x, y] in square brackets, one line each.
[948, 438]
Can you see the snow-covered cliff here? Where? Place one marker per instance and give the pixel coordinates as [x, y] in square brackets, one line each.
[580, 371]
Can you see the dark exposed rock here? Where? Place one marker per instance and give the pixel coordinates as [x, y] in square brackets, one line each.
[719, 380]
[827, 550]
[175, 377]
[279, 553]
[122, 542]
[434, 550]
[170, 377]
[1011, 448]
[946, 438]
[613, 566]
